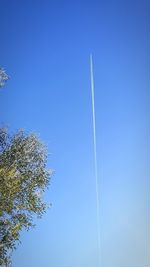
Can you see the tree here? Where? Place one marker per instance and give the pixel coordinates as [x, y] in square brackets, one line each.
[23, 179]
[3, 77]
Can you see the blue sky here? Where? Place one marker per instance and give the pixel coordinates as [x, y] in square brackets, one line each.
[45, 47]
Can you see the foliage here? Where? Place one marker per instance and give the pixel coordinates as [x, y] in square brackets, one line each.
[23, 179]
[3, 77]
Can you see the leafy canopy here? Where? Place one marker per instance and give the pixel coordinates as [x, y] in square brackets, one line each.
[23, 179]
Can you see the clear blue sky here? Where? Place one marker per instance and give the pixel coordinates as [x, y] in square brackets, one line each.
[45, 47]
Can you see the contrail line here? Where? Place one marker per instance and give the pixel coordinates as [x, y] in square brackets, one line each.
[95, 160]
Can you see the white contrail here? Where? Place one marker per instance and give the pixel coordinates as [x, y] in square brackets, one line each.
[95, 160]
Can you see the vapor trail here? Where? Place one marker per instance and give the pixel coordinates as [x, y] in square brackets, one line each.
[95, 160]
